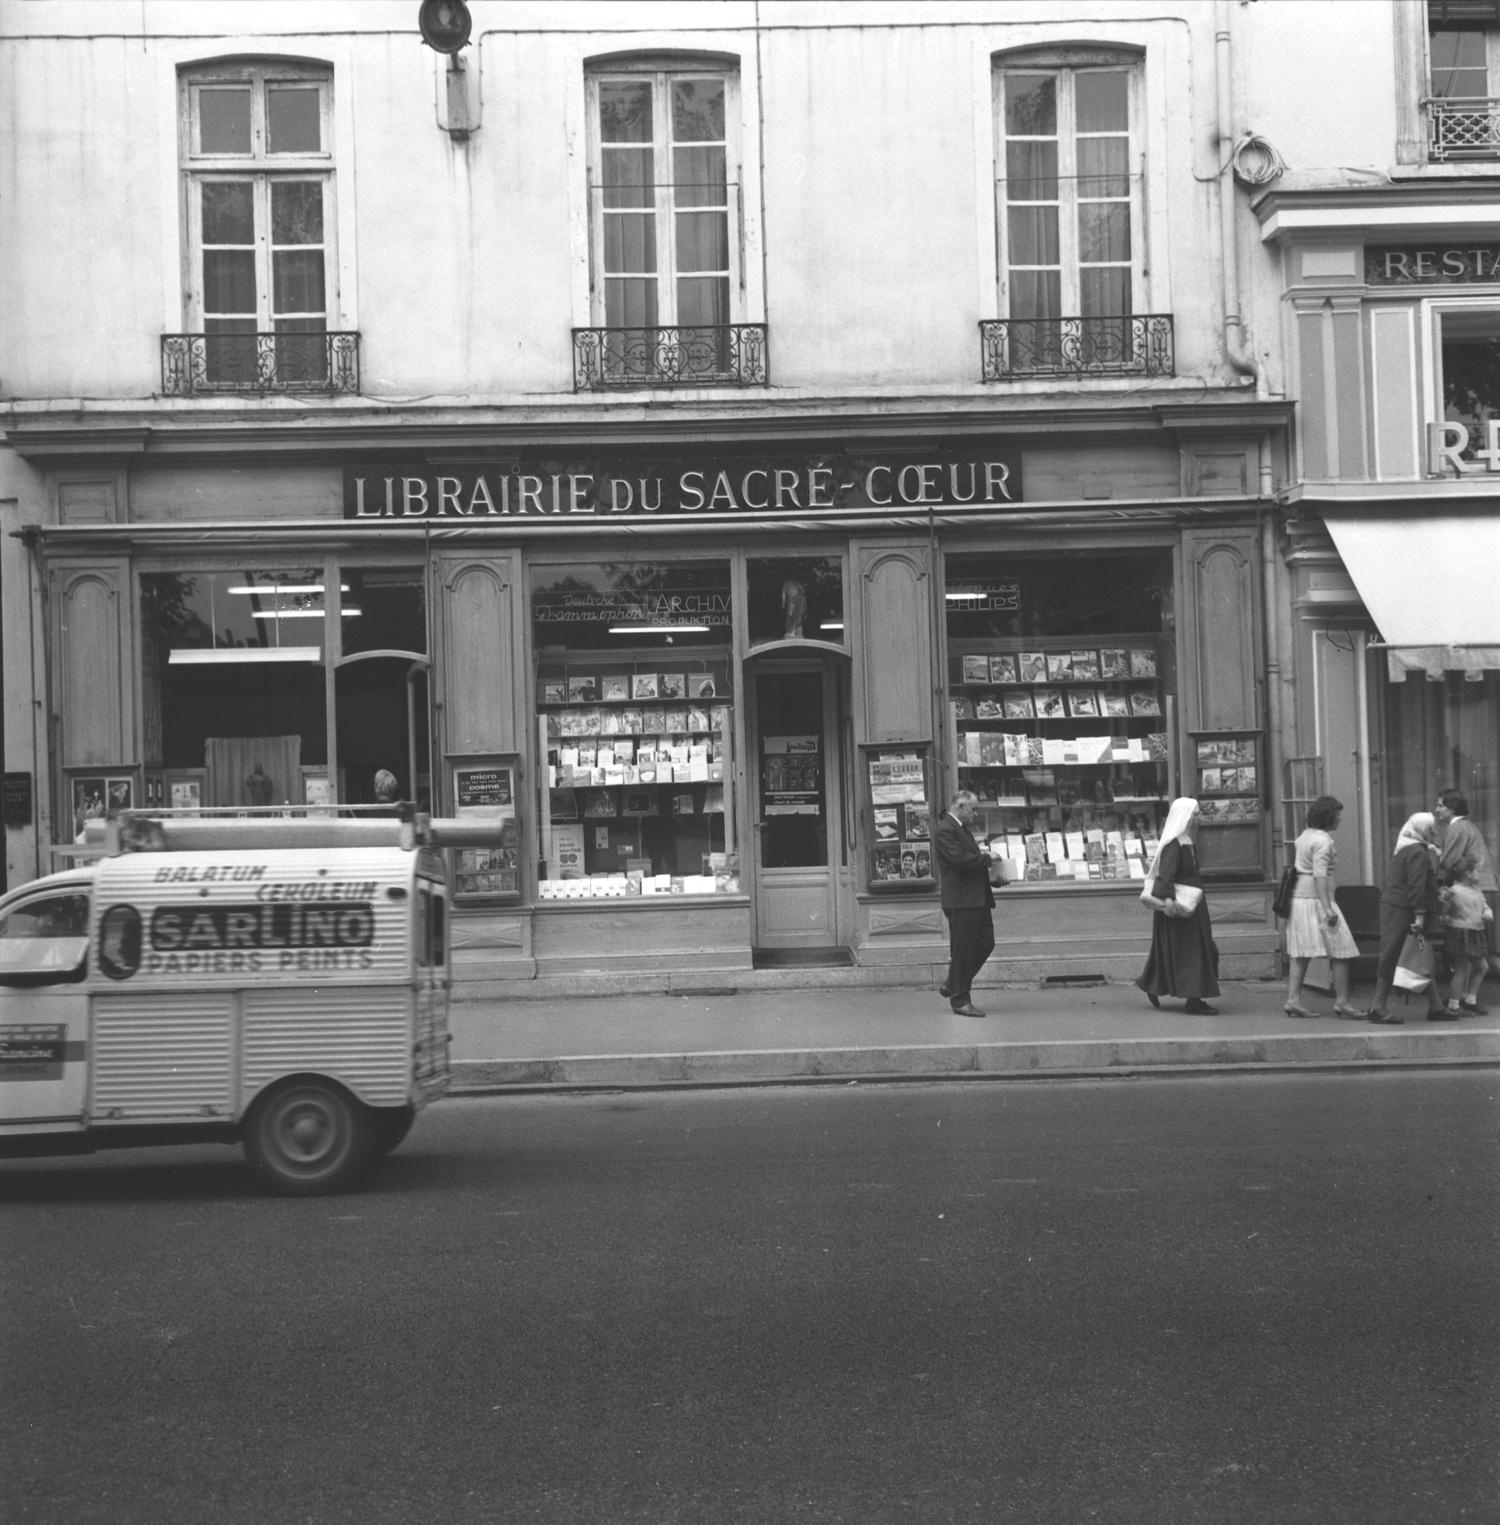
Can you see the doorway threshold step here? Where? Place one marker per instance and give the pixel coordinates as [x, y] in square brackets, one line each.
[802, 958]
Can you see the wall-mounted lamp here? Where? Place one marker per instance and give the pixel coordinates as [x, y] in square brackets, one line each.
[445, 26]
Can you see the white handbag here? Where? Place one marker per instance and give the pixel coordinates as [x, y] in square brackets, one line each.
[1186, 895]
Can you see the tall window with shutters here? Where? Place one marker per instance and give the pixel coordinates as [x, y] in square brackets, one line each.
[1068, 212]
[664, 221]
[1463, 98]
[258, 192]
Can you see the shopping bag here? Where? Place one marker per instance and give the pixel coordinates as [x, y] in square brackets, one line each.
[1414, 967]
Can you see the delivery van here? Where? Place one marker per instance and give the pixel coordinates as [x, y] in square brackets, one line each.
[282, 984]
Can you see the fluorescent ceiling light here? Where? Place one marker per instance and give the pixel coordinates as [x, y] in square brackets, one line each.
[300, 614]
[657, 629]
[961, 597]
[831, 625]
[193, 656]
[283, 587]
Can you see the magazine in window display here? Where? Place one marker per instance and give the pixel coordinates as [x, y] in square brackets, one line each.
[1156, 746]
[1143, 701]
[1142, 662]
[673, 685]
[988, 708]
[675, 720]
[887, 827]
[566, 860]
[583, 690]
[1083, 701]
[976, 668]
[598, 805]
[643, 685]
[718, 719]
[630, 722]
[554, 724]
[701, 685]
[908, 860]
[616, 687]
[1049, 703]
[1085, 666]
[1041, 786]
[887, 856]
[683, 804]
[1247, 781]
[653, 721]
[963, 708]
[554, 691]
[918, 818]
[697, 719]
[1210, 780]
[1059, 666]
[1033, 667]
[1208, 751]
[570, 722]
[923, 855]
[1113, 662]
[1020, 706]
[1003, 669]
[1114, 704]
[593, 722]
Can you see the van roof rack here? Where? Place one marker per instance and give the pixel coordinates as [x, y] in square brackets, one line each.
[269, 828]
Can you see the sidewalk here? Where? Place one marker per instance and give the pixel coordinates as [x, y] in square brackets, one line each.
[759, 1036]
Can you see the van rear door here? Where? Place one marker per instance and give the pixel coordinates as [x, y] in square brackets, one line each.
[430, 930]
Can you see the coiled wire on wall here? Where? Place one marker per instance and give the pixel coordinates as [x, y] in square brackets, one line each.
[1254, 161]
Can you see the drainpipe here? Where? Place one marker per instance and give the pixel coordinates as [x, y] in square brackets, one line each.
[1236, 337]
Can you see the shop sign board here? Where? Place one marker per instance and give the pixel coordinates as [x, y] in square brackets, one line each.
[17, 806]
[1433, 265]
[740, 485]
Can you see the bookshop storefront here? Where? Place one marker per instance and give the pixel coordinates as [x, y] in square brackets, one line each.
[716, 699]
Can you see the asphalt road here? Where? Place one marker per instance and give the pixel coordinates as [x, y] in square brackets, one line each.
[1258, 1299]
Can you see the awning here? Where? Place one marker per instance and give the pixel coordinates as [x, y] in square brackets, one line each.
[1431, 584]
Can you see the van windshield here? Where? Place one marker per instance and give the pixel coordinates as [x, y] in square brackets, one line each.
[43, 935]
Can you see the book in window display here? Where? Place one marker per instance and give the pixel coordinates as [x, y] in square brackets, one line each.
[555, 692]
[976, 669]
[1003, 669]
[1143, 701]
[1033, 667]
[1020, 706]
[616, 688]
[673, 685]
[1085, 666]
[1142, 662]
[1114, 662]
[1059, 666]
[988, 707]
[1113, 704]
[582, 690]
[700, 686]
[643, 685]
[1049, 703]
[1084, 702]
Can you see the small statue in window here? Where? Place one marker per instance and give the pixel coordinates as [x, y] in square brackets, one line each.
[258, 786]
[793, 607]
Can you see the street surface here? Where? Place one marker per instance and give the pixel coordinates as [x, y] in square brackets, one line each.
[1244, 1299]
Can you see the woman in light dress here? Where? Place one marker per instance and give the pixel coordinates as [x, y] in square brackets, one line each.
[1316, 927]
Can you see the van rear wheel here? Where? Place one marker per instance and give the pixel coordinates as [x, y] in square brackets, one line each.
[308, 1137]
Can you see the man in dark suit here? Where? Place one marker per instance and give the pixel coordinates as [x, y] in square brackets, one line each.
[968, 900]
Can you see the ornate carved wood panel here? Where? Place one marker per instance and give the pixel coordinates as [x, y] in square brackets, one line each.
[895, 639]
[93, 674]
[477, 621]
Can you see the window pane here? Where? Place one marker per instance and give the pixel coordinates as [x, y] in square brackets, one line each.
[301, 351]
[628, 175]
[698, 110]
[1035, 294]
[298, 280]
[296, 211]
[699, 178]
[229, 280]
[48, 935]
[629, 243]
[796, 596]
[228, 212]
[702, 241]
[624, 111]
[1031, 171]
[1458, 65]
[293, 118]
[1102, 101]
[703, 303]
[630, 304]
[1031, 105]
[1033, 235]
[224, 121]
[1104, 291]
[1104, 166]
[385, 609]
[1103, 231]
[1471, 371]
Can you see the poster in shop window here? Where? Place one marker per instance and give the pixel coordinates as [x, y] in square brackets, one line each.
[484, 789]
[791, 776]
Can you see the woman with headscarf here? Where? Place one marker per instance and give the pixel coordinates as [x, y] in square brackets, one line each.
[1183, 961]
[1409, 897]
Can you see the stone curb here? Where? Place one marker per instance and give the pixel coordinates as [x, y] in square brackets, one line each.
[994, 1060]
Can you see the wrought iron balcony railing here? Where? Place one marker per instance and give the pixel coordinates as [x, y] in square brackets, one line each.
[1466, 128]
[1019, 348]
[261, 362]
[716, 355]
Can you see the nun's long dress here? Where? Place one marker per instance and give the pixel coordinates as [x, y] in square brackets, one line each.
[1183, 961]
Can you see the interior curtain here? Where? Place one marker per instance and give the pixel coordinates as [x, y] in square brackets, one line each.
[254, 770]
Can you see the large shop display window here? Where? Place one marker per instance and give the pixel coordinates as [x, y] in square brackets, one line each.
[240, 670]
[634, 692]
[1443, 734]
[1061, 675]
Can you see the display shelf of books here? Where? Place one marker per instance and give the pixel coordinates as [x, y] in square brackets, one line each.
[1066, 744]
[484, 789]
[637, 793]
[1227, 778]
[898, 799]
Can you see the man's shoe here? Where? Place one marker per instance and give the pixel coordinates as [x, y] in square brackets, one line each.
[1442, 1014]
[968, 1009]
[1472, 1009]
[944, 991]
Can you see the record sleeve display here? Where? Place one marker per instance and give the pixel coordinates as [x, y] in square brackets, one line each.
[637, 783]
[1066, 746]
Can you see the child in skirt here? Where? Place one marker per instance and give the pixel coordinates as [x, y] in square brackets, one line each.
[1466, 917]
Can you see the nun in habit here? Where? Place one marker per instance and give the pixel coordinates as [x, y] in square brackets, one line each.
[1183, 961]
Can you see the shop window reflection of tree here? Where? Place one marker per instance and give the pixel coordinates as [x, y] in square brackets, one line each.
[166, 620]
[1471, 384]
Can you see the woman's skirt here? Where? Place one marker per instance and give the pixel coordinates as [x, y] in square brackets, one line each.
[1308, 935]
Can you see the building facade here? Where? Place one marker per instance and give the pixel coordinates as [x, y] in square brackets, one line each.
[702, 436]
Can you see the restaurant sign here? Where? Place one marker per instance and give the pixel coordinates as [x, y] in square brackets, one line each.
[773, 486]
[1455, 265]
